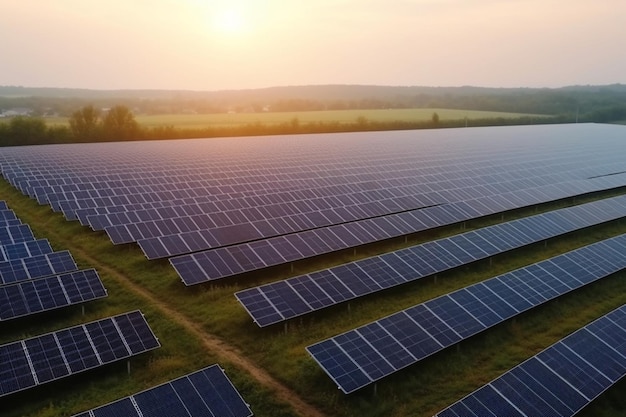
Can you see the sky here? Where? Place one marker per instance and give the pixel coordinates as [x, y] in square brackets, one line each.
[240, 44]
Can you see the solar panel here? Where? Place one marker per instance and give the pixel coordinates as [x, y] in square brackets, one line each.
[283, 300]
[352, 189]
[294, 247]
[7, 216]
[28, 297]
[15, 234]
[560, 380]
[35, 361]
[208, 392]
[24, 249]
[364, 355]
[36, 266]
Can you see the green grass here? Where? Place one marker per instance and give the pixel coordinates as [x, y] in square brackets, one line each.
[198, 121]
[420, 390]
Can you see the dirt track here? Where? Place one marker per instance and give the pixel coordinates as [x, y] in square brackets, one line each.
[212, 343]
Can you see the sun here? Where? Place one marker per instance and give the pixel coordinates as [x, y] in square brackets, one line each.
[229, 21]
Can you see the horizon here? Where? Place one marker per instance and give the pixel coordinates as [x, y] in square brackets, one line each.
[197, 45]
[316, 85]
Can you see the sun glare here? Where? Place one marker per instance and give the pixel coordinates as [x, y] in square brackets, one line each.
[229, 21]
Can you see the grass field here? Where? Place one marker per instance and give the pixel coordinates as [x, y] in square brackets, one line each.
[202, 325]
[198, 121]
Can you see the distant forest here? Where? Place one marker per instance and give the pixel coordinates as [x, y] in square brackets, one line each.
[605, 103]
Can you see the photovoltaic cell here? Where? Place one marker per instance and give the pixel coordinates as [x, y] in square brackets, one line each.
[36, 267]
[24, 249]
[408, 336]
[561, 379]
[32, 362]
[374, 274]
[43, 294]
[205, 393]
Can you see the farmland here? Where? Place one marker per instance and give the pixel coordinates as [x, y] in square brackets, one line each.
[205, 324]
[199, 121]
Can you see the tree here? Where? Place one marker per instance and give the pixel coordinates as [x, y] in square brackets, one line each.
[435, 118]
[26, 131]
[120, 124]
[85, 124]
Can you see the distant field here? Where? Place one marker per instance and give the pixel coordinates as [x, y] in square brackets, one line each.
[196, 121]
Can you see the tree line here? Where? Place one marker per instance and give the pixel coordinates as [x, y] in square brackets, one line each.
[118, 123]
[85, 125]
[582, 100]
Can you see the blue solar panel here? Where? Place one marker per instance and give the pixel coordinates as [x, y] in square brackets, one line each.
[506, 237]
[36, 266]
[406, 337]
[48, 357]
[43, 294]
[560, 380]
[15, 234]
[205, 393]
[24, 249]
[374, 274]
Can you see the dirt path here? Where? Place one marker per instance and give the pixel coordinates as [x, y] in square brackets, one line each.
[214, 344]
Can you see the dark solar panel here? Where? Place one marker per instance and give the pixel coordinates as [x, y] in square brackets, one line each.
[313, 195]
[24, 249]
[36, 267]
[375, 274]
[28, 297]
[31, 362]
[205, 393]
[406, 337]
[15, 234]
[560, 380]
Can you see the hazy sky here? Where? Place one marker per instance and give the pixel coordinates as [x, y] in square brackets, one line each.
[233, 44]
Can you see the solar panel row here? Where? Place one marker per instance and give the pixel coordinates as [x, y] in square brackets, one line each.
[7, 215]
[156, 175]
[43, 294]
[361, 356]
[33, 278]
[15, 234]
[6, 223]
[276, 176]
[35, 361]
[170, 237]
[36, 266]
[25, 249]
[205, 393]
[283, 300]
[220, 263]
[559, 381]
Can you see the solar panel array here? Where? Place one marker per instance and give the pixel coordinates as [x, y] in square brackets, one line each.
[31, 362]
[23, 250]
[559, 381]
[34, 278]
[36, 266]
[28, 297]
[15, 234]
[258, 202]
[236, 259]
[205, 393]
[283, 300]
[364, 355]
